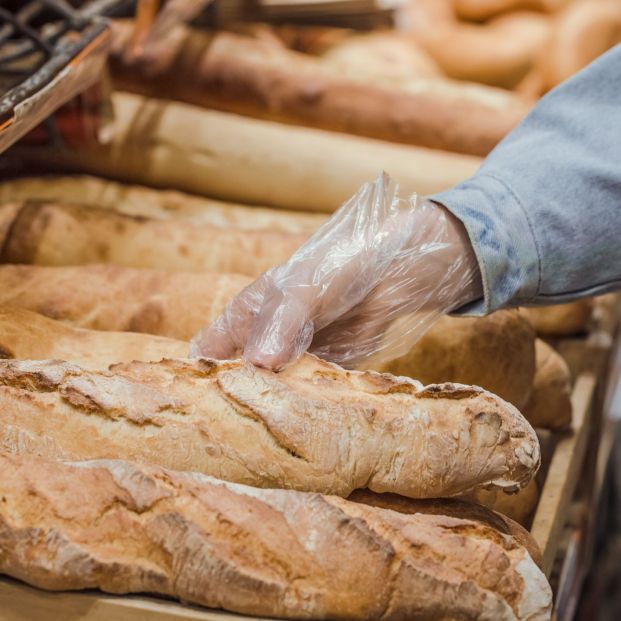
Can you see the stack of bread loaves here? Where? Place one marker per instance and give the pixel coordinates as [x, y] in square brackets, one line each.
[311, 430]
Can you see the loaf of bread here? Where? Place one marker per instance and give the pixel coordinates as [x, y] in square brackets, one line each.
[496, 352]
[312, 427]
[137, 200]
[248, 76]
[499, 53]
[108, 297]
[560, 319]
[455, 507]
[124, 528]
[50, 233]
[27, 335]
[550, 401]
[482, 10]
[583, 31]
[169, 144]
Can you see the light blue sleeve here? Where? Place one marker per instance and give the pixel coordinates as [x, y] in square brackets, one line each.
[544, 210]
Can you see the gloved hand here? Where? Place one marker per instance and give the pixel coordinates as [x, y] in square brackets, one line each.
[377, 259]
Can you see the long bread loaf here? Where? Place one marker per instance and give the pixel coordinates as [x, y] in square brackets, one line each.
[137, 200]
[248, 76]
[495, 352]
[312, 427]
[170, 144]
[27, 335]
[48, 233]
[125, 528]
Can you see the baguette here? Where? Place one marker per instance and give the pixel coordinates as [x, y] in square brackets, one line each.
[248, 76]
[561, 319]
[312, 427]
[125, 528]
[48, 233]
[170, 144]
[136, 200]
[496, 352]
[550, 401]
[108, 297]
[26, 335]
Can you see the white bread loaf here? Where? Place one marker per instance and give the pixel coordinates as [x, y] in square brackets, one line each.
[126, 528]
[550, 401]
[169, 144]
[252, 77]
[135, 200]
[49, 233]
[313, 426]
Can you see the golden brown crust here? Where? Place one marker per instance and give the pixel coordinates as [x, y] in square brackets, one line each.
[496, 352]
[27, 335]
[253, 77]
[125, 528]
[482, 10]
[50, 233]
[312, 426]
[550, 402]
[560, 319]
[134, 200]
[454, 507]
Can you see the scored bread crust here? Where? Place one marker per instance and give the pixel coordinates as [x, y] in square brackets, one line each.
[313, 426]
[127, 528]
[50, 233]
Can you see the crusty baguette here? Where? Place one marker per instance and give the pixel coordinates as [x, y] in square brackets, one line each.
[170, 144]
[108, 297]
[560, 319]
[482, 10]
[550, 402]
[49, 233]
[27, 335]
[499, 53]
[122, 528]
[496, 352]
[137, 200]
[458, 508]
[312, 427]
[252, 77]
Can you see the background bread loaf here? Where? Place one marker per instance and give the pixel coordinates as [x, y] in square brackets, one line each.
[170, 144]
[47, 233]
[312, 426]
[560, 319]
[137, 200]
[126, 528]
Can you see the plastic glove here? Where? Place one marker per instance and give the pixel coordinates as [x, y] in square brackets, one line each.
[377, 259]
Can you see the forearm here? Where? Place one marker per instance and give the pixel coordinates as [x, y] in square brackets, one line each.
[543, 214]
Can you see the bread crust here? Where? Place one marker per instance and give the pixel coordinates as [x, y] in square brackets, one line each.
[126, 528]
[313, 426]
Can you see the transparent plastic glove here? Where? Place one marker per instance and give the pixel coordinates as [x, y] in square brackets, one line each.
[379, 258]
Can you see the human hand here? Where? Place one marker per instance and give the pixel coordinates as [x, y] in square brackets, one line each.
[379, 258]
